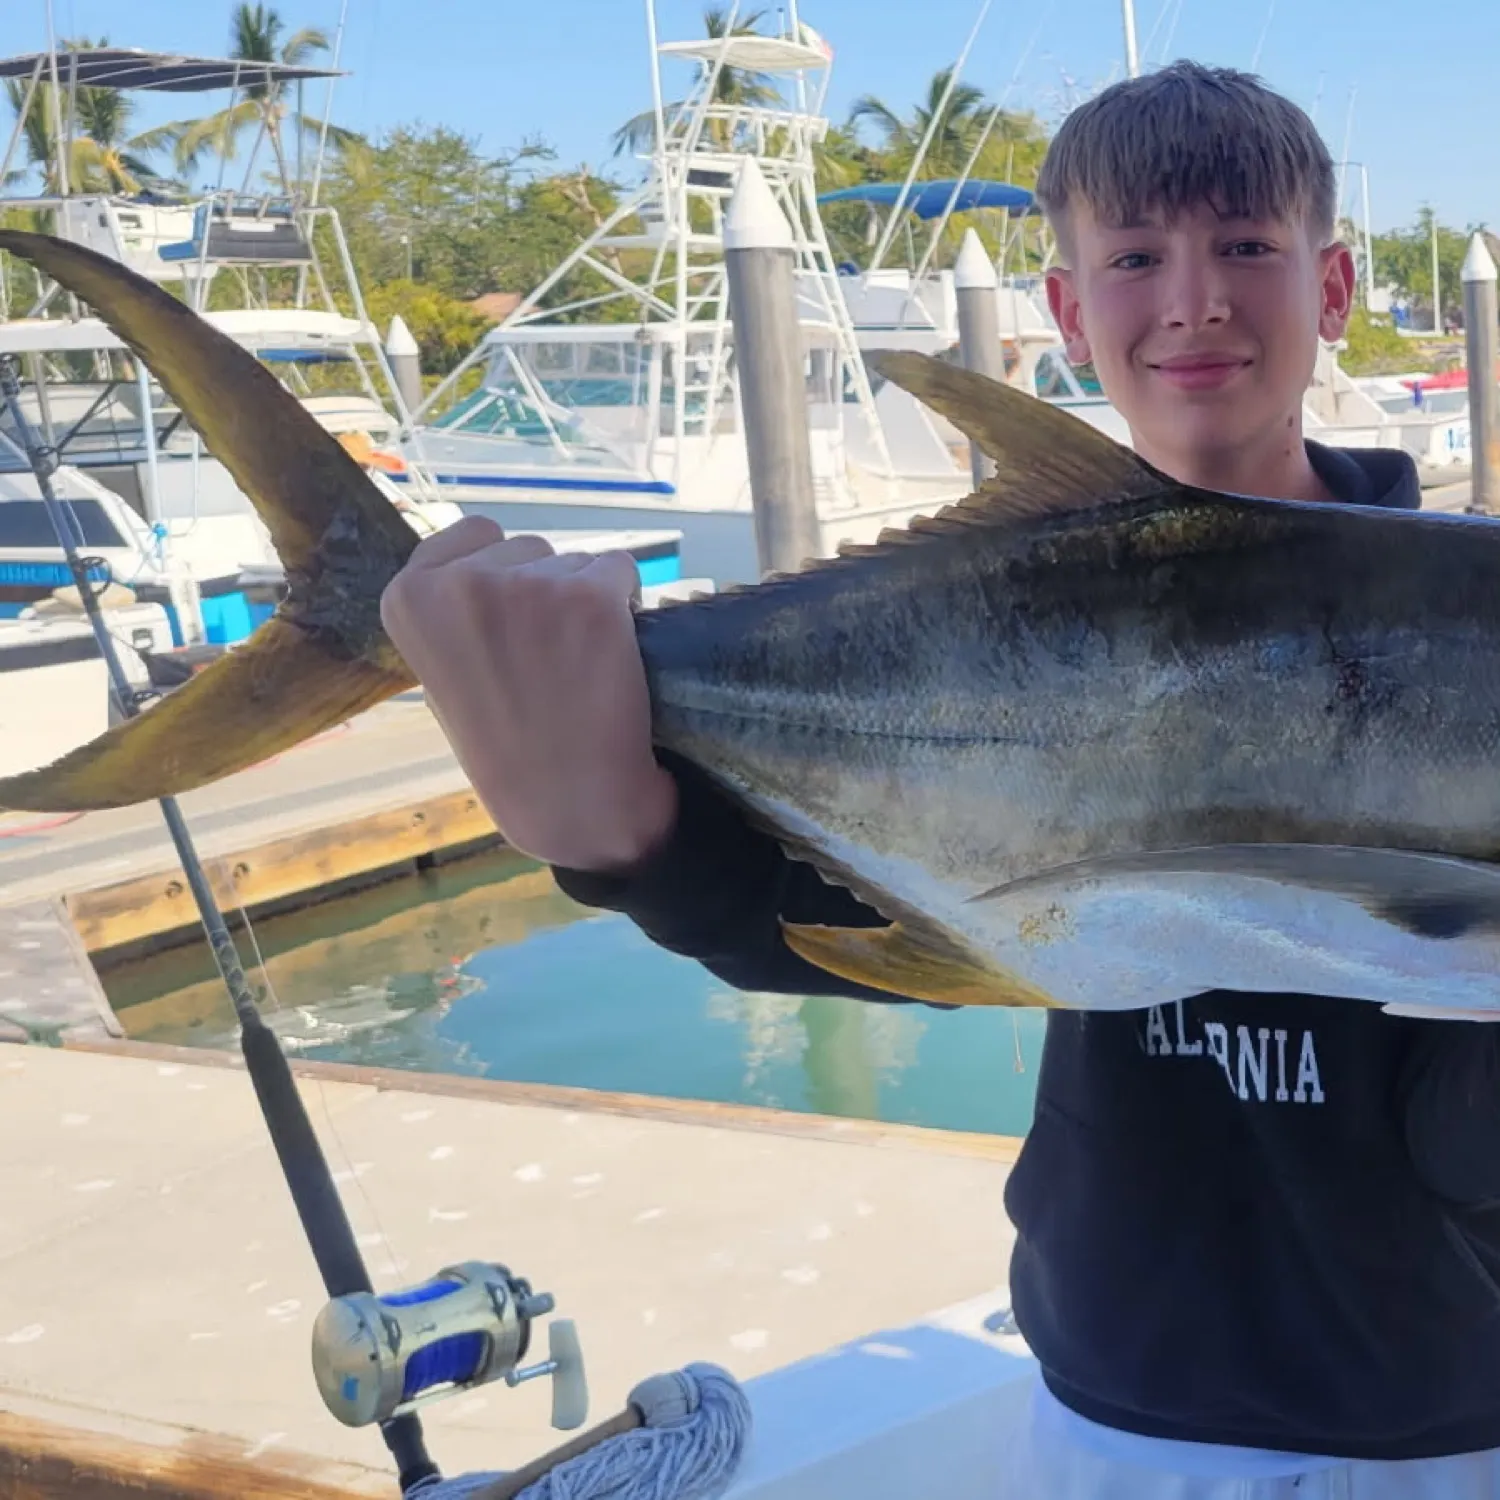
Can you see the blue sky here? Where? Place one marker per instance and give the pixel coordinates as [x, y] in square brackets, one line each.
[571, 70]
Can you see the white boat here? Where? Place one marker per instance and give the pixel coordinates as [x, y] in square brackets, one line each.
[620, 409]
[165, 517]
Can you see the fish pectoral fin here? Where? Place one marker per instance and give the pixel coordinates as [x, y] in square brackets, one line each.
[912, 962]
[260, 699]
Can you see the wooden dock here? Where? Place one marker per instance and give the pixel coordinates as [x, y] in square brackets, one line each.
[374, 800]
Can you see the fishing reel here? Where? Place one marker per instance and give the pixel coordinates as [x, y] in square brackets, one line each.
[381, 1356]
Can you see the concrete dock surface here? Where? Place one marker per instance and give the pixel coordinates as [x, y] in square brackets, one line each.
[155, 1282]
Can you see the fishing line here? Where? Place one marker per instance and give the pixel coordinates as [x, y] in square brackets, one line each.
[1264, 32]
[1166, 45]
[1161, 16]
[279, 1008]
[314, 1193]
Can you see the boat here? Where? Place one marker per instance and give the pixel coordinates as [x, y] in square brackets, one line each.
[163, 517]
[620, 408]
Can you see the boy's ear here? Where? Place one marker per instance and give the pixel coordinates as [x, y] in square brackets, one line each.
[1062, 298]
[1336, 265]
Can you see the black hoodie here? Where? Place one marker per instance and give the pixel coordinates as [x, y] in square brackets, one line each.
[1263, 1220]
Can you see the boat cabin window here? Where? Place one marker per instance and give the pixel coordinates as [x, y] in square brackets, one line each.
[25, 523]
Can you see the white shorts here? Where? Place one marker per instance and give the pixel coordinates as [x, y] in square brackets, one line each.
[1052, 1454]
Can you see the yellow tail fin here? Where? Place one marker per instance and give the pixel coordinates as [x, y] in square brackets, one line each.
[323, 656]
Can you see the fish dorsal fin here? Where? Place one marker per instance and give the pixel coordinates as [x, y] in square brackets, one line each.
[1045, 458]
[1047, 462]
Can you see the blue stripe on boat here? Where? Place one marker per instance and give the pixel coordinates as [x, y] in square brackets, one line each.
[519, 482]
[660, 569]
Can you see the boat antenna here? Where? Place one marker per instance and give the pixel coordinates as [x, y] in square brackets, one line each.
[980, 143]
[888, 233]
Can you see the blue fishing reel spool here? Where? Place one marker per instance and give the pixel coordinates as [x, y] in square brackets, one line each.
[381, 1356]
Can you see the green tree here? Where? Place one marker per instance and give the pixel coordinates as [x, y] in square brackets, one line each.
[1403, 260]
[265, 107]
[967, 134]
[445, 328]
[427, 202]
[554, 214]
[102, 156]
[1373, 347]
[958, 124]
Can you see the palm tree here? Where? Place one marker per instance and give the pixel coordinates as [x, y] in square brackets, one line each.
[36, 131]
[732, 85]
[102, 151]
[255, 35]
[841, 159]
[959, 123]
[101, 156]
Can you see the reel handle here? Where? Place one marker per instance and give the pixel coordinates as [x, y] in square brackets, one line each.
[570, 1388]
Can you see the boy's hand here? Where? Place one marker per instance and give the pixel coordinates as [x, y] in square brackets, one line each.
[529, 661]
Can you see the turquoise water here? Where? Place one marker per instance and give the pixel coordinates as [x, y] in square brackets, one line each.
[486, 969]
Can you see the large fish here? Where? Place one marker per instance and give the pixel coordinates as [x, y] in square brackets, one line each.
[1089, 738]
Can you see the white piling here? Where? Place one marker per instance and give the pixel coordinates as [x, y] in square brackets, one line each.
[975, 285]
[406, 362]
[1480, 334]
[760, 258]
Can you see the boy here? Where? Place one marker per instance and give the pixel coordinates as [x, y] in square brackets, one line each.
[1258, 1236]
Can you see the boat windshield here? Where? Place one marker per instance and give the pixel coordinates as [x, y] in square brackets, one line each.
[25, 525]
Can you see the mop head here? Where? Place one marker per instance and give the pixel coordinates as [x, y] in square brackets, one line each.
[696, 1426]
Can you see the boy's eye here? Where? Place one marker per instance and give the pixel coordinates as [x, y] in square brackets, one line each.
[1250, 247]
[1132, 260]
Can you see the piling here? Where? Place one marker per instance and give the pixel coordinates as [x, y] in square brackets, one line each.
[1480, 340]
[760, 261]
[406, 362]
[975, 284]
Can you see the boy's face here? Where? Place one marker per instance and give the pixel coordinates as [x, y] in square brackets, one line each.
[1203, 330]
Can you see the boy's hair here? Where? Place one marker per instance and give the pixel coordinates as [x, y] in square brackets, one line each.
[1183, 136]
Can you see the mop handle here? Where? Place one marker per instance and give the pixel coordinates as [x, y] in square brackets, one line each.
[511, 1485]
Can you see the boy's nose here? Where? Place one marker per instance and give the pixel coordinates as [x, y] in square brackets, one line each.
[1194, 297]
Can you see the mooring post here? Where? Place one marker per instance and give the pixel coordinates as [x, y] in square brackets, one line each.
[1480, 340]
[406, 362]
[760, 258]
[975, 284]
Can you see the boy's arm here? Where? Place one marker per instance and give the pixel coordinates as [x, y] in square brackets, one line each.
[1451, 1097]
[715, 891]
[530, 662]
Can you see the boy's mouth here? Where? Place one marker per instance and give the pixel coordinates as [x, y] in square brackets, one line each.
[1199, 372]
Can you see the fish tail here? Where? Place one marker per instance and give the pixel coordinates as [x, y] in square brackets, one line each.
[323, 656]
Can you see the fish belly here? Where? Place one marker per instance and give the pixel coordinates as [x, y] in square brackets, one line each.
[1138, 940]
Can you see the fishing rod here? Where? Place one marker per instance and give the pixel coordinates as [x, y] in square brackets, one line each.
[375, 1358]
